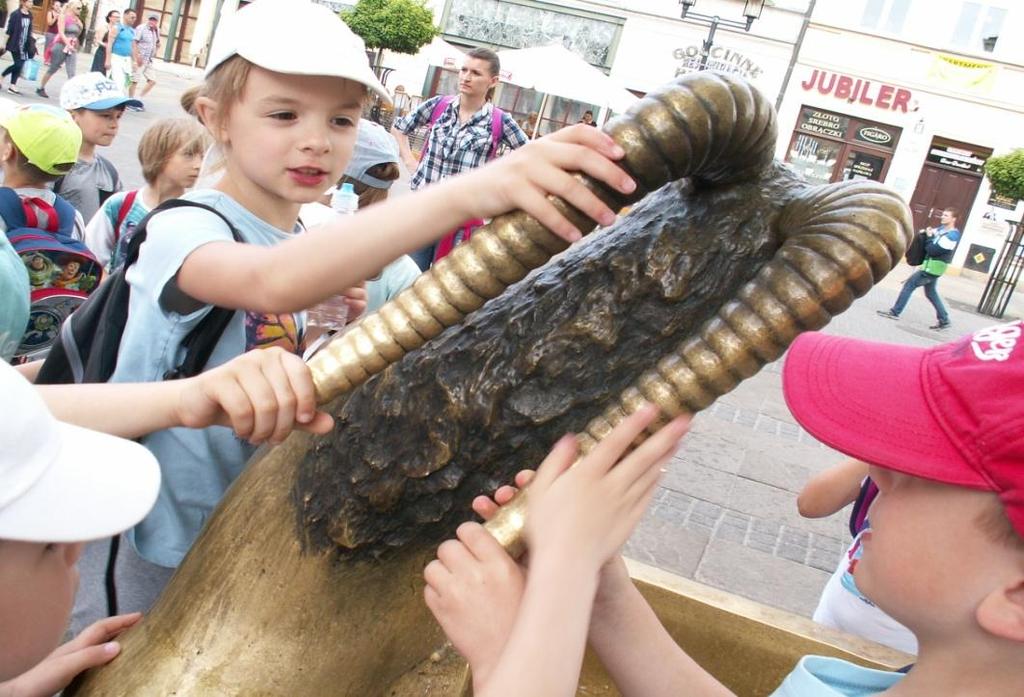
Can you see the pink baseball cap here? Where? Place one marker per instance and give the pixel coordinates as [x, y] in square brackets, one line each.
[952, 413]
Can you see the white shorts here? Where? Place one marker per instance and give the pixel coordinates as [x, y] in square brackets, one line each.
[120, 70]
[840, 609]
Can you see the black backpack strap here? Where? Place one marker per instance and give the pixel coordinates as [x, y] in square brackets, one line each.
[200, 342]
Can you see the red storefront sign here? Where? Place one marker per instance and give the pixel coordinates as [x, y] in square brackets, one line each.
[855, 89]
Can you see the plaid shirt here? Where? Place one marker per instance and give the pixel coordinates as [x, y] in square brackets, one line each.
[451, 148]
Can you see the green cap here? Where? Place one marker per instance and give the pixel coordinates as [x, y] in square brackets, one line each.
[47, 136]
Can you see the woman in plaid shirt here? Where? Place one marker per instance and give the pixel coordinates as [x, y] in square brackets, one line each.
[461, 137]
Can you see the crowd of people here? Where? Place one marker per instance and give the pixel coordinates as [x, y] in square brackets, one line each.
[125, 50]
[935, 436]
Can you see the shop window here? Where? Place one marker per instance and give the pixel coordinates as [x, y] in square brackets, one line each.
[887, 15]
[827, 146]
[978, 27]
[815, 158]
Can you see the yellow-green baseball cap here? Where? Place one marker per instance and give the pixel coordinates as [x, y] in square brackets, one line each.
[47, 136]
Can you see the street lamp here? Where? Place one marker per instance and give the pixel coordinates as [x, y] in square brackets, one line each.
[751, 11]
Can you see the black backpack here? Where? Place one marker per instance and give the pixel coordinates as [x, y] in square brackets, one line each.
[915, 252]
[87, 347]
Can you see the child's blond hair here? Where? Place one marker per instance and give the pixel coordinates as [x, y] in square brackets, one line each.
[165, 138]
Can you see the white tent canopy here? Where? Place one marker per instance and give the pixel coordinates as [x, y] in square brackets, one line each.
[554, 70]
[410, 71]
[440, 52]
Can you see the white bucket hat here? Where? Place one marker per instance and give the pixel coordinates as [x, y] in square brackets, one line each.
[63, 483]
[294, 37]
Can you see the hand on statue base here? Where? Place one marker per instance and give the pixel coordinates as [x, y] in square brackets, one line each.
[92, 647]
[474, 589]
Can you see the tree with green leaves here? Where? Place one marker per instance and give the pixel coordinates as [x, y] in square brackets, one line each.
[1006, 174]
[403, 26]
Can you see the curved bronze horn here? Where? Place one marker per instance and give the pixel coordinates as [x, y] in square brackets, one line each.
[306, 579]
[711, 127]
[839, 241]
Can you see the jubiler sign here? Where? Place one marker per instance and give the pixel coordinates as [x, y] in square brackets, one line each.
[854, 89]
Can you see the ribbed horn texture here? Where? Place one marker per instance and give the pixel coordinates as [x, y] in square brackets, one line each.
[839, 240]
[712, 127]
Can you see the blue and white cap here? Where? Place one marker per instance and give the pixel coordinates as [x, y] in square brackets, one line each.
[93, 91]
[374, 146]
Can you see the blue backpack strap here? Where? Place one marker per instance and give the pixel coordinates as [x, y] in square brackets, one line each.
[859, 513]
[11, 208]
[65, 216]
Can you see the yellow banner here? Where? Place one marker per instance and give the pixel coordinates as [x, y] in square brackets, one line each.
[961, 73]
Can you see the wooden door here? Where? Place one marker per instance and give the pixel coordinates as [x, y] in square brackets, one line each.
[939, 188]
[39, 10]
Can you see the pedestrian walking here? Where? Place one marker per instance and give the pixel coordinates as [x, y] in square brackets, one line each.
[121, 52]
[938, 252]
[53, 16]
[99, 59]
[147, 41]
[464, 132]
[20, 43]
[64, 49]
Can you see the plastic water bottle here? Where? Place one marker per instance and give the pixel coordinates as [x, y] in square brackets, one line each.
[330, 315]
[345, 200]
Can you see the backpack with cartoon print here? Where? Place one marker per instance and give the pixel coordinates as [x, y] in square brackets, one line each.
[62, 272]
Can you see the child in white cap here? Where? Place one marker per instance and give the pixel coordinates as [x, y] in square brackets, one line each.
[63, 483]
[96, 104]
[285, 86]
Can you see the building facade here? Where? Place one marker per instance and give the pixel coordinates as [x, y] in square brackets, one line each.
[641, 44]
[916, 94]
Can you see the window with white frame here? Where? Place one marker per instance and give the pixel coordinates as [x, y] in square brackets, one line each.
[885, 15]
[978, 26]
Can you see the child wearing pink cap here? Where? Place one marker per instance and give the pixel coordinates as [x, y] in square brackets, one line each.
[942, 430]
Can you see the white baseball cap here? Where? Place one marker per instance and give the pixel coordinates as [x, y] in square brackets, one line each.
[294, 37]
[374, 146]
[63, 483]
[93, 91]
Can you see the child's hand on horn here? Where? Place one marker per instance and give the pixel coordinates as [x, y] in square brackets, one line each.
[262, 395]
[524, 179]
[586, 513]
[577, 519]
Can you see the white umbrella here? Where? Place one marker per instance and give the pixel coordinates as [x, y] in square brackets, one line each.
[555, 70]
[440, 52]
[410, 70]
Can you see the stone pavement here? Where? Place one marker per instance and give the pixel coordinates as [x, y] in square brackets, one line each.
[725, 513]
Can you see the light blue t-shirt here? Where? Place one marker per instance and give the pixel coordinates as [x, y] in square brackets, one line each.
[819, 676]
[396, 277]
[122, 45]
[197, 465]
[14, 299]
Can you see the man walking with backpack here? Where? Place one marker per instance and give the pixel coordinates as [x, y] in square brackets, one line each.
[938, 252]
[464, 132]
